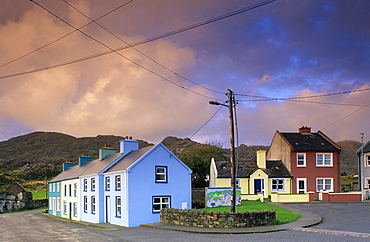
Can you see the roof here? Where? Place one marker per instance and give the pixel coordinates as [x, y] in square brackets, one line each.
[129, 159]
[247, 168]
[310, 142]
[365, 147]
[90, 168]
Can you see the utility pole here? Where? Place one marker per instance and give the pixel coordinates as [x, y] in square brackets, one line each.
[231, 105]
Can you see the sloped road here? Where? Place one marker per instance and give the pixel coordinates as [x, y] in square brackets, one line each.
[341, 222]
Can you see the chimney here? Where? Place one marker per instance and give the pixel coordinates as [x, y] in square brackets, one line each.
[127, 145]
[106, 151]
[305, 130]
[67, 165]
[261, 158]
[83, 159]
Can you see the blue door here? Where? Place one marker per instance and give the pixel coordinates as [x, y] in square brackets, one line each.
[257, 186]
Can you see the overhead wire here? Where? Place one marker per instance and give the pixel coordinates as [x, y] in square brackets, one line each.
[233, 13]
[132, 47]
[205, 122]
[126, 58]
[64, 36]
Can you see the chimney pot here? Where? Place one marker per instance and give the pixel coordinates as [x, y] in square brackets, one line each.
[305, 129]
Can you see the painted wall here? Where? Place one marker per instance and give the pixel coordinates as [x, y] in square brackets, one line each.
[259, 174]
[70, 199]
[279, 150]
[142, 185]
[221, 197]
[54, 198]
[89, 215]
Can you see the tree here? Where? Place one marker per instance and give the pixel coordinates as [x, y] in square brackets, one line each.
[199, 159]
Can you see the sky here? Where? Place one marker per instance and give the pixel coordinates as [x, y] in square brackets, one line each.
[62, 72]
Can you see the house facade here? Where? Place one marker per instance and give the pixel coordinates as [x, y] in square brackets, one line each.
[364, 169]
[263, 176]
[126, 188]
[312, 159]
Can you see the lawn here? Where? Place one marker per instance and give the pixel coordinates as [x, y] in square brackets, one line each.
[39, 195]
[282, 215]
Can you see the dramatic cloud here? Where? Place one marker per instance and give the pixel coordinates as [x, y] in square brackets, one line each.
[283, 49]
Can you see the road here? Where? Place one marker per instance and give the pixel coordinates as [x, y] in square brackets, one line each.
[341, 222]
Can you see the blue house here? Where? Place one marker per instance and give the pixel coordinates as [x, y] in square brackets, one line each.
[127, 188]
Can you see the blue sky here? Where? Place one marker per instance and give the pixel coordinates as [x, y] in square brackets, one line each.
[282, 49]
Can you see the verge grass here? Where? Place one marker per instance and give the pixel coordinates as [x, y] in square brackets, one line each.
[283, 216]
[39, 195]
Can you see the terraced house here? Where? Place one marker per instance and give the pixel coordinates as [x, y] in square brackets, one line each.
[126, 188]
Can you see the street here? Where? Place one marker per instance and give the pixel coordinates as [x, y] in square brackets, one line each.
[341, 222]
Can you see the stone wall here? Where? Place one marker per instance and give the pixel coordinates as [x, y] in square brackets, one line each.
[23, 200]
[216, 219]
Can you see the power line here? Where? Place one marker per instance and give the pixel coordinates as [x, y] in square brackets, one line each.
[206, 122]
[119, 38]
[64, 36]
[144, 41]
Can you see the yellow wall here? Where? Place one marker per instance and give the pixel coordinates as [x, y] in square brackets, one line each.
[70, 199]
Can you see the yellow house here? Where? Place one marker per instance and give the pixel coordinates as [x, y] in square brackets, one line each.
[70, 199]
[263, 176]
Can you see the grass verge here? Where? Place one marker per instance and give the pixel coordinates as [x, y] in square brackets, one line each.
[283, 216]
[39, 195]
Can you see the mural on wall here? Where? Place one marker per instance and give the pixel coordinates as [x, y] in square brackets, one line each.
[221, 197]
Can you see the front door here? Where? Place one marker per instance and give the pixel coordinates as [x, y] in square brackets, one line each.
[301, 186]
[258, 186]
[70, 210]
[107, 209]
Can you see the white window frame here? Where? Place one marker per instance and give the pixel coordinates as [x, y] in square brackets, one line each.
[92, 184]
[279, 182]
[64, 207]
[85, 204]
[324, 159]
[93, 205]
[305, 185]
[50, 203]
[58, 204]
[54, 187]
[58, 186]
[74, 209]
[304, 160]
[75, 189]
[118, 182]
[161, 174]
[367, 183]
[107, 183]
[118, 206]
[160, 202]
[367, 160]
[324, 184]
[85, 185]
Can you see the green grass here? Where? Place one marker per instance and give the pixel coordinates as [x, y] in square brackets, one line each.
[282, 215]
[39, 195]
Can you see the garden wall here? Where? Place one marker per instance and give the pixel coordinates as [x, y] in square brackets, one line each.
[217, 219]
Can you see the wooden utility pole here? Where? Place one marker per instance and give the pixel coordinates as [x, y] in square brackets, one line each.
[231, 100]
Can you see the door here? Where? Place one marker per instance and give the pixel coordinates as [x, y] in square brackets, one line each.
[54, 206]
[301, 186]
[258, 186]
[70, 211]
[107, 209]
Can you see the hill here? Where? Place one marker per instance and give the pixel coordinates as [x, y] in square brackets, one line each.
[348, 156]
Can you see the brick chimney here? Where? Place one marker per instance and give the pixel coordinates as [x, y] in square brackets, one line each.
[67, 165]
[127, 145]
[261, 158]
[83, 159]
[305, 130]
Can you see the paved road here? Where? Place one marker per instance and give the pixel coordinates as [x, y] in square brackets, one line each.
[341, 222]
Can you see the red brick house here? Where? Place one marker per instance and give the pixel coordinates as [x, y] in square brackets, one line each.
[312, 159]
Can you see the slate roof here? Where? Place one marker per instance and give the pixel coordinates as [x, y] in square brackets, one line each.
[366, 148]
[247, 168]
[310, 142]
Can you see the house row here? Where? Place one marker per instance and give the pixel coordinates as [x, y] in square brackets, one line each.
[296, 163]
[364, 169]
[126, 188]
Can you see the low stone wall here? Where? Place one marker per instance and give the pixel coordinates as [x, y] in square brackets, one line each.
[217, 219]
[9, 203]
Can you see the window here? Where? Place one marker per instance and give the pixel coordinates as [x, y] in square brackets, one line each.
[92, 204]
[54, 187]
[118, 206]
[301, 159]
[92, 184]
[107, 183]
[64, 207]
[277, 185]
[74, 209]
[118, 182]
[70, 190]
[367, 160]
[65, 190]
[50, 187]
[161, 174]
[58, 204]
[58, 184]
[324, 159]
[324, 184]
[160, 202]
[50, 203]
[85, 185]
[75, 189]
[367, 183]
[237, 182]
[85, 204]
